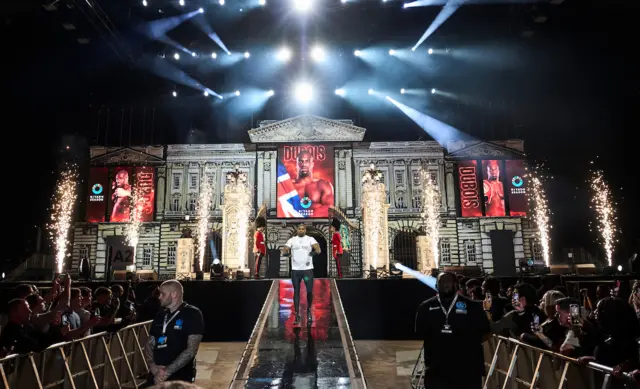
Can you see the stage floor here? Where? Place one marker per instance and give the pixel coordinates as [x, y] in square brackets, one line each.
[312, 355]
[385, 363]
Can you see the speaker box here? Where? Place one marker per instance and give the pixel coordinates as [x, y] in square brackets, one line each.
[585, 268]
[467, 271]
[560, 269]
[119, 275]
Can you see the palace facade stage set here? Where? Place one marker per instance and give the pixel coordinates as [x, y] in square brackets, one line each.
[482, 210]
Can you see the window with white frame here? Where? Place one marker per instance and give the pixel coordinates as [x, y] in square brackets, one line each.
[445, 250]
[192, 203]
[536, 249]
[83, 252]
[470, 250]
[417, 200]
[416, 177]
[171, 254]
[434, 178]
[399, 177]
[193, 181]
[176, 181]
[147, 254]
[175, 203]
[210, 180]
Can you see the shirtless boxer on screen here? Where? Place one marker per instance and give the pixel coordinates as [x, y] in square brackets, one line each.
[319, 191]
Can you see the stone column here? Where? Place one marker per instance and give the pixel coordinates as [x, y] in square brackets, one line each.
[426, 257]
[450, 189]
[235, 222]
[374, 216]
[160, 192]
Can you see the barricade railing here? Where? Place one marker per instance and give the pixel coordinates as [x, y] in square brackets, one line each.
[101, 361]
[512, 364]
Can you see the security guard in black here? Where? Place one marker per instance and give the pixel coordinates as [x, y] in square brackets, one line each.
[171, 331]
[453, 328]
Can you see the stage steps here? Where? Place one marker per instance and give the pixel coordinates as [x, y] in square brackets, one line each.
[278, 355]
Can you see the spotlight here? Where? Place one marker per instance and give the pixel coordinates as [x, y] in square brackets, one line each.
[284, 54]
[340, 92]
[181, 3]
[246, 54]
[221, 2]
[175, 94]
[302, 5]
[201, 10]
[144, 3]
[217, 270]
[194, 54]
[619, 268]
[176, 56]
[370, 91]
[206, 93]
[402, 91]
[237, 93]
[392, 52]
[214, 55]
[271, 93]
[357, 53]
[263, 2]
[317, 54]
[433, 90]
[303, 92]
[430, 51]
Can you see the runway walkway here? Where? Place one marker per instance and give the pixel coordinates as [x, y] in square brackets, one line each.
[279, 355]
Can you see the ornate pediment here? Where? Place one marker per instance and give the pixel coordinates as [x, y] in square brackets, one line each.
[483, 150]
[126, 156]
[306, 128]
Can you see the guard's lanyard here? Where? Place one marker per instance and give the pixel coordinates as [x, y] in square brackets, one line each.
[168, 320]
[448, 311]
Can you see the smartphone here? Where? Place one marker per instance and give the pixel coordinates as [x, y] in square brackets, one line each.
[536, 323]
[574, 310]
[488, 297]
[95, 313]
[515, 300]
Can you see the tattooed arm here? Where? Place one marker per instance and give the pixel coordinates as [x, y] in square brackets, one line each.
[148, 355]
[193, 342]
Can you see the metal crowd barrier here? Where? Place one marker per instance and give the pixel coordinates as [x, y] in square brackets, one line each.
[102, 361]
[515, 365]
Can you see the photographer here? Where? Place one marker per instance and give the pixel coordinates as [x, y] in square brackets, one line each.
[550, 334]
[525, 314]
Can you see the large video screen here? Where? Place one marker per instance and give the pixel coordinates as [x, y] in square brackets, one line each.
[97, 198]
[120, 193]
[517, 183]
[470, 205]
[493, 188]
[305, 180]
[145, 181]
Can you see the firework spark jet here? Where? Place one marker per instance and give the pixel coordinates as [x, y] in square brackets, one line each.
[602, 203]
[62, 215]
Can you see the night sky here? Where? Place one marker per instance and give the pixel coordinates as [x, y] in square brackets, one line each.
[568, 91]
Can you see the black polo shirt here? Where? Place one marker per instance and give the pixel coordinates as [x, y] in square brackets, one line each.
[456, 355]
[187, 321]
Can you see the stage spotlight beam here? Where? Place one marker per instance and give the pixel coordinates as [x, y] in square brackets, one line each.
[284, 54]
[302, 5]
[237, 93]
[247, 54]
[340, 92]
[303, 92]
[370, 91]
[176, 56]
[317, 53]
[402, 91]
[271, 93]
[392, 52]
[357, 53]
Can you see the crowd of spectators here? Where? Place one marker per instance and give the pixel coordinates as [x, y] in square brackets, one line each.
[33, 320]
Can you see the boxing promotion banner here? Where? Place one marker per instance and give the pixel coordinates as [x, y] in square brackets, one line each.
[145, 181]
[97, 196]
[470, 205]
[125, 181]
[305, 180]
[517, 183]
[493, 188]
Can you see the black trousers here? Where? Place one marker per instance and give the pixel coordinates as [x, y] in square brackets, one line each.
[433, 380]
[297, 277]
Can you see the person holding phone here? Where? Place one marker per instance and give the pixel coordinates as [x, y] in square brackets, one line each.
[519, 321]
[301, 248]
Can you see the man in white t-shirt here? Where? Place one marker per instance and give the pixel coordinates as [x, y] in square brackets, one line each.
[301, 248]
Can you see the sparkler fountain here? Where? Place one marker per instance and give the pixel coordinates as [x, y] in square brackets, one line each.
[374, 217]
[431, 204]
[602, 202]
[132, 230]
[61, 217]
[540, 212]
[235, 221]
[203, 212]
